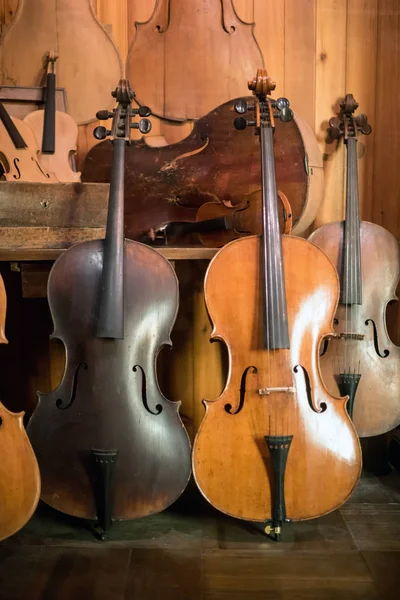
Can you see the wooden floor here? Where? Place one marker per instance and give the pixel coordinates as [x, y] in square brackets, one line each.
[192, 552]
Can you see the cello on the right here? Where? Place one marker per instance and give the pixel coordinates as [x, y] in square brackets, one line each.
[361, 360]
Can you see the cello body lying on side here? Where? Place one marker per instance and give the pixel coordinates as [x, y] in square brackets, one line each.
[19, 471]
[275, 445]
[107, 441]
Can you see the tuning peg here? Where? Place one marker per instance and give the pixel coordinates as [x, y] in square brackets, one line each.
[284, 113]
[103, 115]
[142, 111]
[241, 123]
[100, 132]
[144, 126]
[241, 106]
[335, 128]
[363, 125]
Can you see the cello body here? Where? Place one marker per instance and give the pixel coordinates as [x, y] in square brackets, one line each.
[19, 471]
[103, 401]
[215, 163]
[361, 360]
[324, 462]
[377, 400]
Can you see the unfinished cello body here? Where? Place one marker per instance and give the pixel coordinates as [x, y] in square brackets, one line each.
[361, 360]
[275, 445]
[19, 471]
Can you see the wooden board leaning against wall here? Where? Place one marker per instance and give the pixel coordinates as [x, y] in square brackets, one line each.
[319, 52]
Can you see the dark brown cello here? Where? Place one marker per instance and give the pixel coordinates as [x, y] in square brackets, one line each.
[108, 442]
[361, 359]
[275, 445]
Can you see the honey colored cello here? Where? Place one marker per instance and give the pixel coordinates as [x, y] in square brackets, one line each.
[275, 445]
[361, 360]
[19, 471]
[108, 443]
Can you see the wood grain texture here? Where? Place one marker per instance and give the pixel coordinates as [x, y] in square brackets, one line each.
[221, 46]
[72, 29]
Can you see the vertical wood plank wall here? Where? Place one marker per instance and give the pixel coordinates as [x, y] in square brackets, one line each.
[317, 50]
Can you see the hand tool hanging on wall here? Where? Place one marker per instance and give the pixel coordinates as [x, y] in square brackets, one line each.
[109, 444]
[213, 164]
[88, 64]
[19, 471]
[56, 132]
[19, 154]
[361, 360]
[274, 446]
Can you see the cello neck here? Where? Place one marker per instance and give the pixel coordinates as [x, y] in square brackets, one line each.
[351, 288]
[110, 320]
[276, 331]
[110, 323]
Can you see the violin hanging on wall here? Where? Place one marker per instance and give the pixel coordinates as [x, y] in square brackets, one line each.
[108, 443]
[56, 132]
[19, 471]
[274, 445]
[19, 153]
[361, 360]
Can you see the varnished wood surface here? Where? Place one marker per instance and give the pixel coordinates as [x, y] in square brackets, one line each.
[19, 472]
[192, 551]
[214, 163]
[109, 397]
[377, 401]
[231, 461]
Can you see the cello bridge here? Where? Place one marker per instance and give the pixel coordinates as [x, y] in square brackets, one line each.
[349, 335]
[271, 390]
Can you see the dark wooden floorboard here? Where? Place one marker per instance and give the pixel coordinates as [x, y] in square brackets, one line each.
[193, 552]
[81, 574]
[385, 569]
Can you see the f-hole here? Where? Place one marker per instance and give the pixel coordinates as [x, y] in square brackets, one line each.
[326, 340]
[242, 392]
[322, 407]
[376, 341]
[158, 407]
[59, 401]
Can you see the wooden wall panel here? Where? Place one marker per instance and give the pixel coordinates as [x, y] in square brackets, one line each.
[269, 18]
[362, 21]
[300, 40]
[330, 83]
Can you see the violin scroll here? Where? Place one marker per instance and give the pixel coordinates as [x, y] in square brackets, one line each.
[262, 84]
